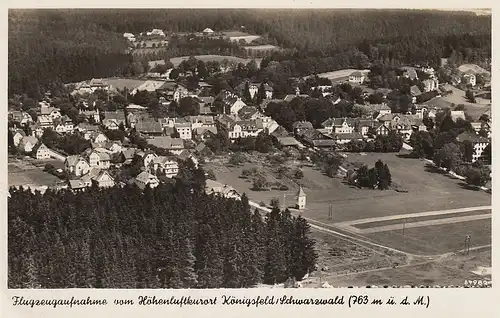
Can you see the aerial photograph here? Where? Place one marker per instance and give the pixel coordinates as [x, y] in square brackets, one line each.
[249, 148]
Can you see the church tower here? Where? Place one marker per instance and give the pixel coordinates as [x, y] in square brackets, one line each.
[301, 199]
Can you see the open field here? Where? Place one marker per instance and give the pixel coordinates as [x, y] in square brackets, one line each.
[436, 239]
[264, 47]
[36, 176]
[217, 58]
[458, 97]
[453, 270]
[122, 83]
[476, 69]
[340, 74]
[409, 220]
[428, 190]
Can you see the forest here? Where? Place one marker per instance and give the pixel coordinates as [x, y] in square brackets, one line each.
[47, 46]
[172, 236]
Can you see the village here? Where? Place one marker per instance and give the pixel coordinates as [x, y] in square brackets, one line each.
[374, 157]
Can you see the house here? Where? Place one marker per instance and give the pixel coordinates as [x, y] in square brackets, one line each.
[470, 78]
[128, 155]
[204, 133]
[145, 179]
[68, 123]
[430, 84]
[339, 125]
[146, 157]
[253, 88]
[456, 114]
[289, 98]
[37, 130]
[217, 188]
[111, 124]
[410, 72]
[93, 115]
[45, 121]
[20, 117]
[289, 142]
[98, 137]
[478, 143]
[99, 159]
[202, 150]
[201, 121]
[163, 165]
[174, 145]
[40, 151]
[377, 110]
[356, 77]
[299, 126]
[249, 112]
[234, 104]
[98, 83]
[17, 136]
[27, 143]
[186, 155]
[481, 125]
[99, 177]
[363, 126]
[415, 92]
[245, 128]
[205, 104]
[135, 108]
[314, 138]
[76, 165]
[184, 130]
[149, 127]
[85, 127]
[381, 129]
[118, 117]
[344, 138]
[52, 112]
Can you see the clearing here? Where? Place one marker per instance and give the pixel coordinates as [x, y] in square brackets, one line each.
[340, 74]
[216, 58]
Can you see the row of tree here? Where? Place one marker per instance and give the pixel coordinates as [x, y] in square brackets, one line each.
[173, 236]
[392, 142]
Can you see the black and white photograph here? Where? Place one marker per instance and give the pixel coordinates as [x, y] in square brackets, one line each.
[173, 148]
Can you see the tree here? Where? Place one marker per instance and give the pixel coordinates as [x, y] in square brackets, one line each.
[468, 150]
[261, 93]
[477, 176]
[304, 257]
[449, 156]
[246, 93]
[188, 106]
[260, 183]
[470, 96]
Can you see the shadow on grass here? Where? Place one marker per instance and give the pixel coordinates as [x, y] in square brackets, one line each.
[467, 186]
[407, 155]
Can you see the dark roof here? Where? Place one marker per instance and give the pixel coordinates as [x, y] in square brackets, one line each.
[148, 127]
[354, 135]
[323, 143]
[280, 132]
[288, 141]
[302, 125]
[472, 137]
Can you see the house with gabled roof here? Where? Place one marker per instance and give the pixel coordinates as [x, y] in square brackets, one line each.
[40, 151]
[164, 166]
[145, 179]
[149, 127]
[479, 143]
[356, 77]
[339, 125]
[99, 177]
[28, 143]
[76, 165]
[20, 117]
[174, 145]
[45, 121]
[217, 188]
[17, 136]
[52, 112]
[98, 158]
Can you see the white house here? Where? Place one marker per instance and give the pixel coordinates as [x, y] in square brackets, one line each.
[146, 179]
[27, 143]
[17, 136]
[99, 159]
[40, 151]
[478, 142]
[217, 188]
[184, 130]
[430, 84]
[356, 77]
[339, 125]
[76, 165]
[163, 165]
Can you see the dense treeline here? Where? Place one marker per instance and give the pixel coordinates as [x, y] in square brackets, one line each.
[168, 237]
[72, 45]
